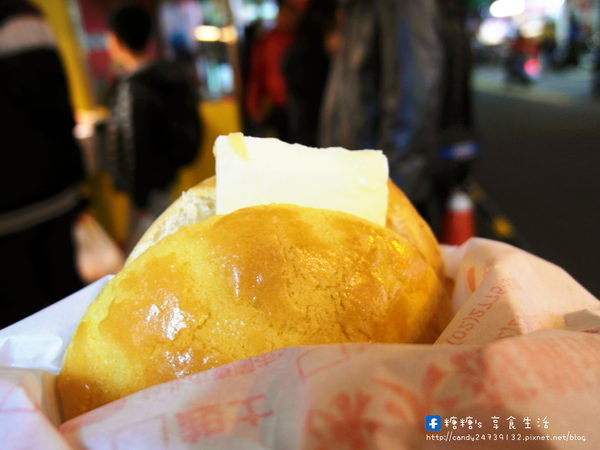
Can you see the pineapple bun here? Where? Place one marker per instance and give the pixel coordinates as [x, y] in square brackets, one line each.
[206, 293]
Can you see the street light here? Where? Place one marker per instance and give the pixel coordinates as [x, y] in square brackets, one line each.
[209, 33]
[507, 8]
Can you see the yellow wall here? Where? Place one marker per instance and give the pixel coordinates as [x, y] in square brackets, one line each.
[57, 13]
[219, 117]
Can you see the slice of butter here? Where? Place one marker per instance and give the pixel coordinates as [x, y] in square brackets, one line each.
[258, 171]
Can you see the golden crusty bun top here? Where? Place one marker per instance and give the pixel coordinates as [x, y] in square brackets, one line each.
[199, 203]
[255, 280]
[192, 206]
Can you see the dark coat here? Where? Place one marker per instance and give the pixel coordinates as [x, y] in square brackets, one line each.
[306, 68]
[383, 90]
[41, 165]
[154, 129]
[41, 168]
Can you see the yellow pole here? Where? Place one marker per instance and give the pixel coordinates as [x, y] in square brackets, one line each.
[57, 14]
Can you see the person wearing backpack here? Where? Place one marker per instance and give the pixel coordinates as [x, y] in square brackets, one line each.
[154, 128]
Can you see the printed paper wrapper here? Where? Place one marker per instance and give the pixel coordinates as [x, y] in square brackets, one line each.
[519, 365]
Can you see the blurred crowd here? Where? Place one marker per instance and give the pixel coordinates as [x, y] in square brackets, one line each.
[42, 169]
[377, 74]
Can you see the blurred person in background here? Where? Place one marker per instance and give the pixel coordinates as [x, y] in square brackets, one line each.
[457, 146]
[154, 127]
[596, 73]
[306, 68]
[548, 45]
[42, 168]
[574, 43]
[384, 88]
[266, 93]
[520, 49]
[251, 32]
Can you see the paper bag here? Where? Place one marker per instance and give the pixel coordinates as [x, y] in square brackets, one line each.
[518, 366]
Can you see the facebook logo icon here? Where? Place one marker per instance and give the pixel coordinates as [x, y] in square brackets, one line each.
[433, 423]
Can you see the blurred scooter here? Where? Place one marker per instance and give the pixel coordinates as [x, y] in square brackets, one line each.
[522, 70]
[522, 66]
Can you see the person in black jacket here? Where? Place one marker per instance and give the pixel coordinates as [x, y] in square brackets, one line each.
[154, 128]
[458, 147]
[41, 168]
[306, 68]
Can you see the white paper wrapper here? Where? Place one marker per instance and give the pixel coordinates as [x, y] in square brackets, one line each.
[538, 389]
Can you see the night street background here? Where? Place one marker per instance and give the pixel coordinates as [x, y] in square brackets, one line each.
[540, 163]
